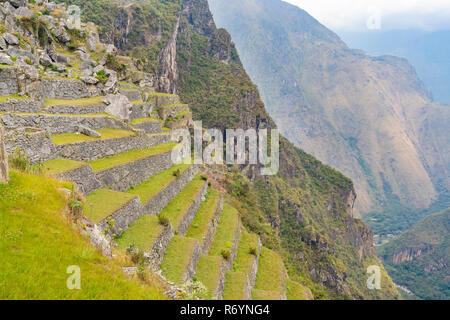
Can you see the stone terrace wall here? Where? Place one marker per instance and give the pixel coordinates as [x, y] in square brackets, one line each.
[93, 150]
[84, 177]
[60, 124]
[76, 109]
[36, 143]
[190, 214]
[8, 81]
[209, 238]
[156, 254]
[13, 105]
[162, 199]
[4, 168]
[149, 126]
[122, 177]
[190, 271]
[64, 89]
[123, 217]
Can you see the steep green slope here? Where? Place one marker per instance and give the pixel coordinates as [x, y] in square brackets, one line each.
[38, 244]
[419, 259]
[304, 213]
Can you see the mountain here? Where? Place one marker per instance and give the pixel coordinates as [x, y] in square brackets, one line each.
[369, 117]
[419, 259]
[427, 51]
[304, 213]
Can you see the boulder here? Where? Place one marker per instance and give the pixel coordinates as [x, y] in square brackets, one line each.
[51, 6]
[45, 60]
[61, 34]
[92, 40]
[112, 85]
[59, 58]
[10, 39]
[24, 12]
[87, 131]
[5, 59]
[118, 105]
[89, 80]
[4, 169]
[17, 3]
[3, 45]
[30, 72]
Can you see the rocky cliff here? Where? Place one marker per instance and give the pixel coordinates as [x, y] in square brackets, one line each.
[367, 116]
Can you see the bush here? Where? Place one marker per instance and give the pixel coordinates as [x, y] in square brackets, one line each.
[177, 173]
[163, 219]
[203, 177]
[136, 256]
[226, 254]
[18, 160]
[253, 251]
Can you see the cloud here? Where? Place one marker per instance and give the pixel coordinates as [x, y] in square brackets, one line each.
[359, 15]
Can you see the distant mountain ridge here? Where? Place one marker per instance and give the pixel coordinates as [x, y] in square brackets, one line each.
[370, 117]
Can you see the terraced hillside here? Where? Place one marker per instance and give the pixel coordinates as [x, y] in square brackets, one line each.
[76, 111]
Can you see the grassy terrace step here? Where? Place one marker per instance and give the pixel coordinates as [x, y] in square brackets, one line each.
[296, 291]
[142, 233]
[210, 273]
[151, 187]
[101, 204]
[106, 134]
[179, 258]
[265, 295]
[236, 286]
[177, 208]
[225, 237]
[85, 102]
[58, 166]
[205, 215]
[130, 156]
[143, 120]
[270, 276]
[248, 251]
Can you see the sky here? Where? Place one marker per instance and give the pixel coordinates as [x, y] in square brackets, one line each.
[366, 15]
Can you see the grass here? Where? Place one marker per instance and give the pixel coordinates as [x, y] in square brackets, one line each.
[296, 291]
[177, 258]
[208, 273]
[244, 259]
[174, 105]
[229, 222]
[235, 286]
[143, 120]
[85, 102]
[130, 156]
[270, 276]
[13, 97]
[151, 187]
[38, 243]
[203, 217]
[177, 208]
[156, 94]
[89, 115]
[106, 134]
[57, 166]
[142, 233]
[265, 295]
[100, 204]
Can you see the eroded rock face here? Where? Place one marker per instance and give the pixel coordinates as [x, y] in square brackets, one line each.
[4, 169]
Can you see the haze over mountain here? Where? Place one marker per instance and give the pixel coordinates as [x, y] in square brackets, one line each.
[370, 117]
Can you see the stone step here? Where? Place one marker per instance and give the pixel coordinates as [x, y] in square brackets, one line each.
[157, 192]
[148, 125]
[112, 141]
[61, 123]
[204, 224]
[77, 172]
[112, 211]
[172, 110]
[91, 105]
[149, 235]
[236, 286]
[271, 276]
[211, 272]
[180, 261]
[182, 209]
[125, 170]
[228, 234]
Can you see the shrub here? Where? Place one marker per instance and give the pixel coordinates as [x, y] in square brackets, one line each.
[163, 219]
[177, 173]
[28, 61]
[136, 256]
[226, 254]
[18, 160]
[204, 178]
[14, 58]
[101, 76]
[253, 251]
